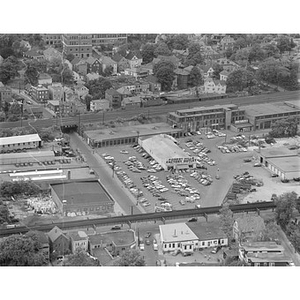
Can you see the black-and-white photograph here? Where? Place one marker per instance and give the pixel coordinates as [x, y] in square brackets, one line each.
[149, 148]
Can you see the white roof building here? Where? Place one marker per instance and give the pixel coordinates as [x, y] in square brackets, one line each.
[177, 232]
[19, 139]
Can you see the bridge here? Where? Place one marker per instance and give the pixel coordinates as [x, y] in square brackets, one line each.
[138, 218]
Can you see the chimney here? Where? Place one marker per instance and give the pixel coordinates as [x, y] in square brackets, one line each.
[175, 234]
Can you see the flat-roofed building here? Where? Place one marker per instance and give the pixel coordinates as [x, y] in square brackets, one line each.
[109, 38]
[166, 152]
[79, 240]
[28, 141]
[128, 134]
[81, 197]
[262, 116]
[281, 161]
[80, 45]
[214, 117]
[263, 254]
[177, 237]
[26, 157]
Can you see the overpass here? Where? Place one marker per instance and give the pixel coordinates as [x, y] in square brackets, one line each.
[139, 218]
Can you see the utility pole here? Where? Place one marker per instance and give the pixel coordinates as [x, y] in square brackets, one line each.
[22, 112]
[79, 128]
[103, 117]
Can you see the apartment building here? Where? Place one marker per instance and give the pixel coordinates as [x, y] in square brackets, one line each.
[102, 39]
[80, 45]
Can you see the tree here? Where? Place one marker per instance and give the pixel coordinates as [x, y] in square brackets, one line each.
[162, 49]
[9, 69]
[270, 233]
[2, 116]
[285, 205]
[177, 41]
[285, 43]
[131, 258]
[256, 53]
[163, 64]
[4, 213]
[21, 250]
[240, 79]
[194, 57]
[165, 76]
[67, 76]
[80, 258]
[227, 221]
[108, 71]
[148, 53]
[272, 71]
[217, 70]
[284, 128]
[195, 78]
[32, 74]
[8, 189]
[241, 57]
[271, 50]
[70, 57]
[98, 87]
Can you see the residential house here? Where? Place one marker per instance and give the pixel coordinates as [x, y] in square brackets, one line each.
[5, 94]
[181, 79]
[263, 254]
[121, 61]
[154, 85]
[247, 227]
[149, 67]
[206, 70]
[114, 98]
[224, 75]
[125, 92]
[51, 54]
[76, 76]
[226, 43]
[44, 79]
[81, 90]
[54, 105]
[227, 64]
[59, 242]
[79, 65]
[33, 54]
[131, 102]
[39, 93]
[137, 73]
[79, 240]
[92, 76]
[106, 61]
[141, 87]
[99, 105]
[134, 59]
[93, 65]
[214, 86]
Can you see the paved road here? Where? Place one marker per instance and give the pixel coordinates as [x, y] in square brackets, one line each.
[161, 110]
[113, 186]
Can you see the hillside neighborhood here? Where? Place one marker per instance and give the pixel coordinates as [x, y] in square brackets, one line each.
[149, 150]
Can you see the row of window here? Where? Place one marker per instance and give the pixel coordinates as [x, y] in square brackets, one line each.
[209, 243]
[18, 144]
[278, 115]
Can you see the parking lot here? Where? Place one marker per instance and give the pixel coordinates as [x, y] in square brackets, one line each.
[207, 185]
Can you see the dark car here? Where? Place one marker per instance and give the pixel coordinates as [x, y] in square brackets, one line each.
[193, 220]
[274, 175]
[148, 234]
[116, 227]
[147, 242]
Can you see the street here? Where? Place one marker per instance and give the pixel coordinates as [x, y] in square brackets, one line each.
[112, 185]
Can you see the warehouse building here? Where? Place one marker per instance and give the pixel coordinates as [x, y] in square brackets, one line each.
[128, 134]
[164, 150]
[80, 198]
[281, 161]
[26, 157]
[262, 116]
[28, 141]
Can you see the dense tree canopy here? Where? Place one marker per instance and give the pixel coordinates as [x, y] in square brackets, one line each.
[164, 71]
[148, 53]
[285, 43]
[131, 258]
[239, 80]
[194, 58]
[195, 78]
[177, 41]
[256, 53]
[284, 128]
[21, 250]
[227, 221]
[9, 69]
[285, 205]
[8, 188]
[162, 49]
[98, 87]
[80, 258]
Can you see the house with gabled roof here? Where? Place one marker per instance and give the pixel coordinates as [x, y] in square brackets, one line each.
[51, 54]
[80, 65]
[93, 65]
[44, 79]
[134, 59]
[59, 242]
[131, 102]
[106, 61]
[121, 61]
[224, 75]
[81, 91]
[79, 240]
[154, 85]
[214, 86]
[206, 70]
[114, 98]
[124, 91]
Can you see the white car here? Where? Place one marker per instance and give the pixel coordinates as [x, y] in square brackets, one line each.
[142, 247]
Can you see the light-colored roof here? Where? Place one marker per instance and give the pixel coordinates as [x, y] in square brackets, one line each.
[277, 152]
[54, 102]
[20, 139]
[78, 235]
[268, 257]
[286, 164]
[262, 246]
[135, 99]
[163, 147]
[176, 232]
[30, 154]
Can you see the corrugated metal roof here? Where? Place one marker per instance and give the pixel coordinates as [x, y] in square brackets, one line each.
[20, 139]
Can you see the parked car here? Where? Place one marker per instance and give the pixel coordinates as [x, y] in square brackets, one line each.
[116, 227]
[148, 234]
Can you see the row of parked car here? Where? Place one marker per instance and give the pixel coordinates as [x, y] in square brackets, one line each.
[202, 178]
[232, 148]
